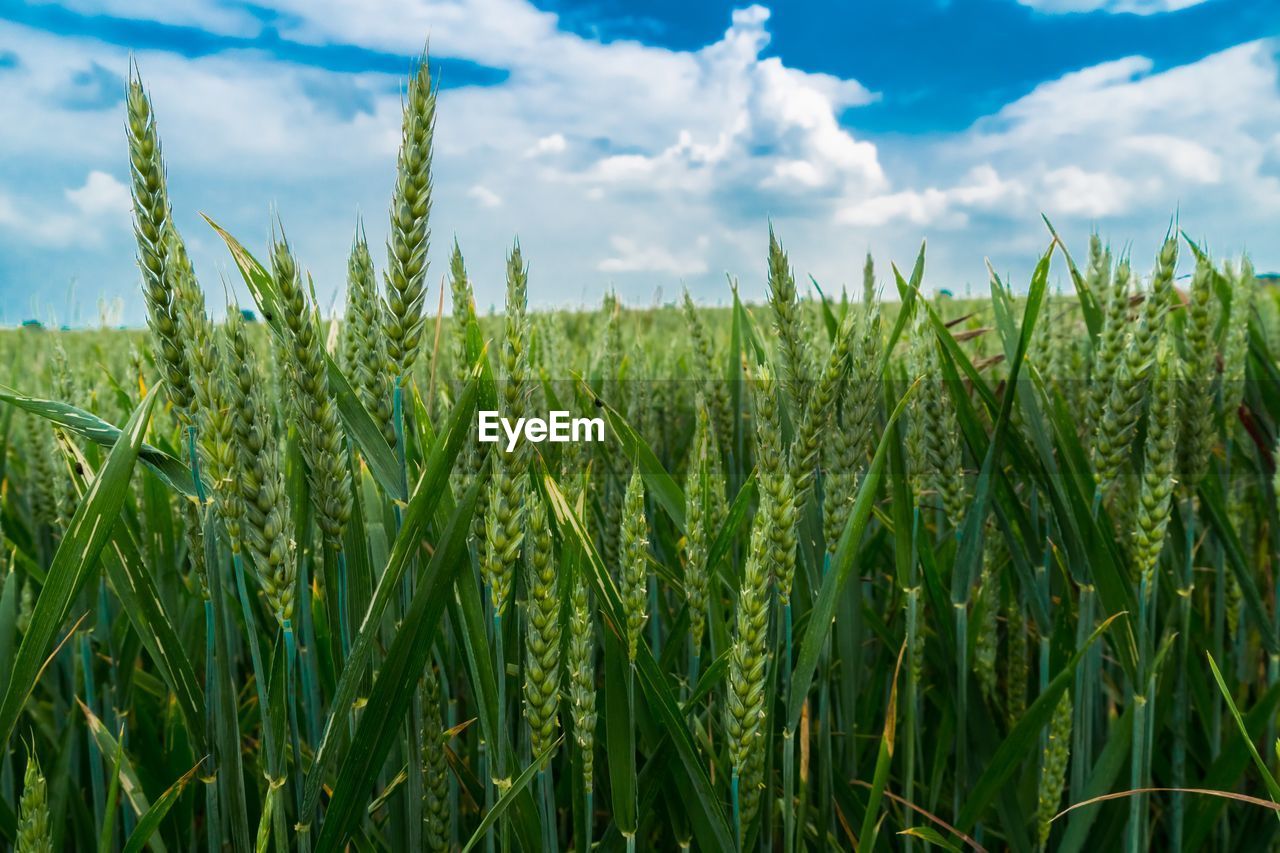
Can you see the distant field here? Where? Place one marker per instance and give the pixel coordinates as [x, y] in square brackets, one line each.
[870, 569]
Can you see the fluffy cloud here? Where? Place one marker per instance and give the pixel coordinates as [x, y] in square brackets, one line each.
[101, 195]
[1134, 7]
[43, 228]
[688, 153]
[629, 256]
[85, 215]
[1118, 146]
[582, 141]
[1074, 192]
[552, 144]
[484, 196]
[751, 126]
[227, 19]
[982, 189]
[1124, 140]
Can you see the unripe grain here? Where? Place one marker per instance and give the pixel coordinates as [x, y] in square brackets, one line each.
[713, 388]
[748, 664]
[542, 634]
[1110, 351]
[851, 441]
[367, 357]
[1053, 769]
[504, 526]
[1235, 345]
[435, 766]
[1016, 665]
[698, 536]
[634, 545]
[268, 521]
[986, 642]
[322, 439]
[1124, 402]
[153, 227]
[792, 339]
[1159, 459]
[815, 422]
[34, 832]
[933, 432]
[777, 493]
[408, 240]
[868, 282]
[1200, 368]
[582, 677]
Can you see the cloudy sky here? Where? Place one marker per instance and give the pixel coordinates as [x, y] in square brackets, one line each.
[641, 145]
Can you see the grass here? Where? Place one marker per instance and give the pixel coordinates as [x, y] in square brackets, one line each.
[868, 572]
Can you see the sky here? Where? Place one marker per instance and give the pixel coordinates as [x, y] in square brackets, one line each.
[642, 146]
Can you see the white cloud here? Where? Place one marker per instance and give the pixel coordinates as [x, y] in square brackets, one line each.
[918, 207]
[1134, 7]
[81, 218]
[981, 189]
[484, 196]
[751, 125]
[1185, 158]
[585, 141]
[1118, 146]
[1072, 191]
[630, 257]
[554, 143]
[40, 227]
[1119, 138]
[670, 141]
[101, 195]
[227, 19]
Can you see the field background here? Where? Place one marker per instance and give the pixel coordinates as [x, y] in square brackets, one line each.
[873, 569]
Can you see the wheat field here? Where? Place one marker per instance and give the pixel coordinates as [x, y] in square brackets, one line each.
[872, 570]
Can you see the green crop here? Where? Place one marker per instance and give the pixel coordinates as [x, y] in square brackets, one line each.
[843, 573]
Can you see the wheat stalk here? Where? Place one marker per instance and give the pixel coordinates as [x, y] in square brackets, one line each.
[542, 634]
[367, 357]
[320, 430]
[792, 340]
[153, 227]
[34, 832]
[407, 243]
[748, 661]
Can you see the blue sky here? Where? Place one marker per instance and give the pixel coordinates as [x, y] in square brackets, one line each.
[641, 145]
